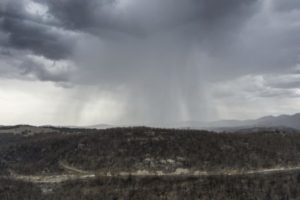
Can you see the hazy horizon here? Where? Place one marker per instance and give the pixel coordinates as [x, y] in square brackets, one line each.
[174, 124]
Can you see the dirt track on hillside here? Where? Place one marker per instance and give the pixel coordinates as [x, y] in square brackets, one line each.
[74, 173]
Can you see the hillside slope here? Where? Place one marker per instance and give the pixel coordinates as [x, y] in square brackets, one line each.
[152, 150]
[90, 164]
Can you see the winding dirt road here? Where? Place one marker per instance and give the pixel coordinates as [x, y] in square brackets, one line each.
[78, 174]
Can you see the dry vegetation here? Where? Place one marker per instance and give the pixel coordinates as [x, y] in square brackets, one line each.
[131, 149]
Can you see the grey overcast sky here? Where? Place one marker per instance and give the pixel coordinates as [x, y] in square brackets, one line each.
[81, 62]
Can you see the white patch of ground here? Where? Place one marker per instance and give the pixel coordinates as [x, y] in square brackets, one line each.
[181, 171]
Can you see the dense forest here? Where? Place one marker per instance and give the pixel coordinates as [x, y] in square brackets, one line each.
[131, 149]
[32, 152]
[267, 187]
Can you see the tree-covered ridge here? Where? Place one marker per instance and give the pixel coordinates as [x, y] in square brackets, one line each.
[141, 148]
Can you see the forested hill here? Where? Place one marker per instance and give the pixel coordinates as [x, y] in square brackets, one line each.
[131, 149]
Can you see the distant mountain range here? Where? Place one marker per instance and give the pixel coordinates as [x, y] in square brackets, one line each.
[291, 121]
[282, 121]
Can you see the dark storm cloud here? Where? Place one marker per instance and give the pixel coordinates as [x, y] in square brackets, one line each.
[105, 17]
[269, 42]
[38, 38]
[78, 14]
[40, 71]
[165, 73]
[144, 17]
[291, 81]
[150, 48]
[288, 84]
[28, 33]
[259, 87]
[287, 5]
[164, 54]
